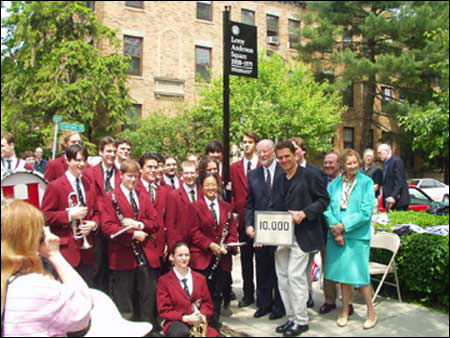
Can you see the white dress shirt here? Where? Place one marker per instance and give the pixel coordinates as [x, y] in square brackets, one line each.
[272, 169]
[188, 192]
[216, 207]
[253, 161]
[72, 180]
[189, 280]
[105, 175]
[169, 182]
[127, 195]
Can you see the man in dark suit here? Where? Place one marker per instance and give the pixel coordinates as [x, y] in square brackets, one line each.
[306, 197]
[239, 174]
[265, 193]
[395, 186]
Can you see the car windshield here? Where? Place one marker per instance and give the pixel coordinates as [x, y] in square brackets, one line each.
[418, 198]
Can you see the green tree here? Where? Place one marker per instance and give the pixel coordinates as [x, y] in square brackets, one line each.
[285, 101]
[376, 42]
[53, 66]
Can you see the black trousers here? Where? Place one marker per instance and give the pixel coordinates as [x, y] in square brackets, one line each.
[247, 254]
[268, 295]
[134, 292]
[101, 273]
[178, 329]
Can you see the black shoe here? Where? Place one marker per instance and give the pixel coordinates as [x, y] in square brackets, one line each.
[232, 295]
[245, 302]
[310, 303]
[261, 313]
[326, 308]
[276, 315]
[296, 330]
[283, 328]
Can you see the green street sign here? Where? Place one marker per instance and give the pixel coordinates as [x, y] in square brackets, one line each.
[57, 118]
[71, 127]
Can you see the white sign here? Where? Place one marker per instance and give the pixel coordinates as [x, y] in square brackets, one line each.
[274, 228]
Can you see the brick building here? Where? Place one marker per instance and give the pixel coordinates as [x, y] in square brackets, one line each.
[174, 43]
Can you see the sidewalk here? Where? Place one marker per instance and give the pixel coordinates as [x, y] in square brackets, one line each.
[394, 319]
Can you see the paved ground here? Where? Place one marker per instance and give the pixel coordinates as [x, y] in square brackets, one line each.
[395, 319]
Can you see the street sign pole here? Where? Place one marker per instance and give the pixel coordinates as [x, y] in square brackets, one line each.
[226, 98]
[55, 140]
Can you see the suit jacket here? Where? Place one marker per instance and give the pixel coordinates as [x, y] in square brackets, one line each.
[96, 175]
[358, 216]
[121, 256]
[306, 192]
[240, 189]
[55, 168]
[179, 216]
[173, 303]
[54, 206]
[259, 198]
[395, 183]
[160, 205]
[204, 233]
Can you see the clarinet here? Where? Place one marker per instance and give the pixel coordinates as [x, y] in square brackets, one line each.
[136, 246]
[225, 232]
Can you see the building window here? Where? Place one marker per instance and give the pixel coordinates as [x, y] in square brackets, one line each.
[202, 63]
[272, 25]
[133, 48]
[349, 138]
[204, 10]
[135, 4]
[348, 96]
[386, 93]
[248, 17]
[294, 27]
[347, 40]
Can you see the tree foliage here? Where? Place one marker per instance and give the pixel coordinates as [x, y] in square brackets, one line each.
[51, 65]
[376, 42]
[284, 101]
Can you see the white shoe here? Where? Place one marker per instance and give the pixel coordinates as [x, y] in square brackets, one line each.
[342, 321]
[370, 324]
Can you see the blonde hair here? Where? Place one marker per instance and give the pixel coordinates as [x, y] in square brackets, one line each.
[349, 153]
[22, 228]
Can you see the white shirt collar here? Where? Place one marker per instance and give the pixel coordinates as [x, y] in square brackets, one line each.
[189, 280]
[127, 194]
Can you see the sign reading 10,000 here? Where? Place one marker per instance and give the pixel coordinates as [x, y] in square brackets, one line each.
[274, 228]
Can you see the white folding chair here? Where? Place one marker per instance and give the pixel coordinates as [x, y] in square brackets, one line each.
[391, 242]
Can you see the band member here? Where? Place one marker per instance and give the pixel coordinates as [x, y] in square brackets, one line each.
[215, 150]
[133, 254]
[157, 194]
[70, 209]
[306, 197]
[105, 177]
[265, 192]
[214, 228]
[183, 296]
[10, 162]
[58, 167]
[123, 151]
[239, 174]
[171, 177]
[179, 212]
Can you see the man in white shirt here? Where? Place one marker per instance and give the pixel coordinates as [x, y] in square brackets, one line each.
[170, 177]
[123, 151]
[10, 162]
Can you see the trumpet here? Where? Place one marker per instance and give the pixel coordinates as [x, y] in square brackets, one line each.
[200, 328]
[76, 232]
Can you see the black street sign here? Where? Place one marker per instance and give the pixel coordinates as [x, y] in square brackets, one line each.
[243, 50]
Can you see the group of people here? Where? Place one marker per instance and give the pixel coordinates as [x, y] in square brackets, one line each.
[161, 245]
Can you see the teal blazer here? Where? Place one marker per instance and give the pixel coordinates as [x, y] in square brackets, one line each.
[357, 218]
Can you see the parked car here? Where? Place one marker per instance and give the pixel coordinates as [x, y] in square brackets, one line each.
[436, 190]
[420, 201]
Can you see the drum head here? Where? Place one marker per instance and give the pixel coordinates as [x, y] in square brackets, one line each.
[24, 185]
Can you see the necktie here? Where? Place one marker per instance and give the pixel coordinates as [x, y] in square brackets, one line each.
[9, 164]
[134, 205]
[108, 186]
[193, 196]
[186, 288]
[152, 193]
[213, 211]
[268, 180]
[79, 193]
[172, 182]
[249, 167]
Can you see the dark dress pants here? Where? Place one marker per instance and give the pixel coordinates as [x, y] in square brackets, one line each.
[247, 254]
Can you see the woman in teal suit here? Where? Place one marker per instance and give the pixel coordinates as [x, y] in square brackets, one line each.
[348, 247]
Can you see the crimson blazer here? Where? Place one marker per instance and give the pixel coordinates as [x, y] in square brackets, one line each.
[204, 233]
[160, 205]
[54, 206]
[55, 168]
[240, 190]
[179, 216]
[121, 256]
[96, 175]
[173, 303]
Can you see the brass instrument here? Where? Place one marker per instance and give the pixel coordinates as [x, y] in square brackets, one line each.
[200, 328]
[76, 232]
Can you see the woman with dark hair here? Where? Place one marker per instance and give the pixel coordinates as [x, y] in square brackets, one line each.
[33, 303]
[183, 296]
[213, 228]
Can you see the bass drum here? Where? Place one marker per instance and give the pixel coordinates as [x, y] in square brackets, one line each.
[28, 186]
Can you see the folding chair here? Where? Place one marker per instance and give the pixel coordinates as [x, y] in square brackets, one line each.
[391, 242]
